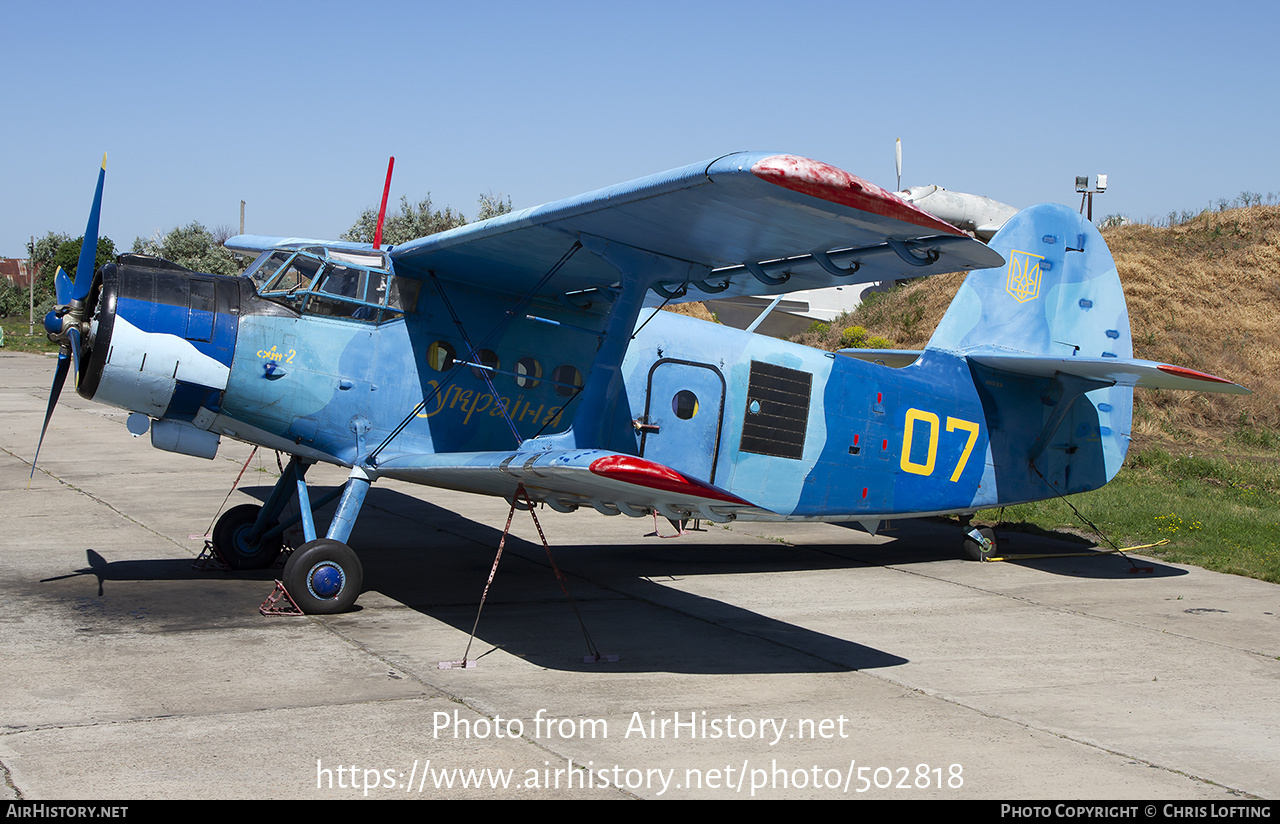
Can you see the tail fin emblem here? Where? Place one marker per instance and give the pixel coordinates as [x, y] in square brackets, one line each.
[1024, 276]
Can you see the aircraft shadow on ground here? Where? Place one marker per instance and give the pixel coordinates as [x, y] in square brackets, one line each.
[1027, 545]
[630, 597]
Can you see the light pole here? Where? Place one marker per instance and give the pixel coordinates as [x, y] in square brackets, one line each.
[1087, 192]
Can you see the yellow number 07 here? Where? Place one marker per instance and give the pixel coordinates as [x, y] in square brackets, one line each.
[926, 468]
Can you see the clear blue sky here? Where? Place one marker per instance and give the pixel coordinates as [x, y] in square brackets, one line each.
[295, 107]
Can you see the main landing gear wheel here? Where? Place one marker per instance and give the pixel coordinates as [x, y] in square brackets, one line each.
[231, 540]
[980, 544]
[323, 577]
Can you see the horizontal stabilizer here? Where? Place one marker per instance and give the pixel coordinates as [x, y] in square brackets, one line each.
[1116, 371]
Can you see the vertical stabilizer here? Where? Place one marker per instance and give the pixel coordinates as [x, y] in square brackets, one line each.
[1058, 298]
[1058, 293]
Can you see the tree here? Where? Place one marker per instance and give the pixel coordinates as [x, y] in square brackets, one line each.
[192, 246]
[492, 205]
[412, 221]
[419, 220]
[40, 255]
[67, 255]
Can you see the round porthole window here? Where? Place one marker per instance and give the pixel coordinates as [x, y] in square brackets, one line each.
[684, 404]
[440, 356]
[528, 373]
[487, 357]
[568, 380]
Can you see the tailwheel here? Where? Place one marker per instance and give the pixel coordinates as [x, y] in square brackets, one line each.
[232, 540]
[323, 577]
[980, 544]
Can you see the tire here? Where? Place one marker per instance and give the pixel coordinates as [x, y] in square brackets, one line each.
[324, 577]
[976, 550]
[231, 540]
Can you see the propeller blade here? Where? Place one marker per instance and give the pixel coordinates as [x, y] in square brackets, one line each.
[897, 159]
[63, 287]
[89, 249]
[59, 378]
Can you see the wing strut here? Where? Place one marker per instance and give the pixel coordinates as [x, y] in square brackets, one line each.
[639, 270]
[594, 656]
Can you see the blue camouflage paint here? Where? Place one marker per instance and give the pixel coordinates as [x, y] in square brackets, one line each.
[941, 435]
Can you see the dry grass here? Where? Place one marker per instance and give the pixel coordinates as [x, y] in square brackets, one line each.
[1206, 294]
[1203, 294]
[694, 309]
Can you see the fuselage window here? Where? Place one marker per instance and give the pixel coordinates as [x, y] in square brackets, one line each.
[528, 373]
[440, 356]
[568, 380]
[488, 358]
[684, 404]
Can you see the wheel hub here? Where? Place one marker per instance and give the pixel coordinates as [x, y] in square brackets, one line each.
[326, 580]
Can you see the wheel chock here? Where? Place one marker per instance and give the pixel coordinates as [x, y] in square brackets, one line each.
[209, 560]
[273, 605]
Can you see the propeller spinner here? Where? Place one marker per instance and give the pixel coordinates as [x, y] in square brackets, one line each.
[67, 324]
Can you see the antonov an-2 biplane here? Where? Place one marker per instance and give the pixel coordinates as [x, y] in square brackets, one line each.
[525, 355]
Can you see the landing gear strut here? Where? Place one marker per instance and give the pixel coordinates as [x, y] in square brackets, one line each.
[236, 544]
[323, 576]
[980, 544]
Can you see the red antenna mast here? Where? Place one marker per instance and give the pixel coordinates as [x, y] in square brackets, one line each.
[382, 210]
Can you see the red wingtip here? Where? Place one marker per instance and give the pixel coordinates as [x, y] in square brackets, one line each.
[811, 177]
[1183, 372]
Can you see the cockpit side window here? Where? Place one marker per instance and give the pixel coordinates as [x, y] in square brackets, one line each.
[344, 285]
[341, 293]
[293, 278]
[266, 267]
[402, 297]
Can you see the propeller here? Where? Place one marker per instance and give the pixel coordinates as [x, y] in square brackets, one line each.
[66, 324]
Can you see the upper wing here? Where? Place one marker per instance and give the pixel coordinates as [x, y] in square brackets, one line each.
[742, 224]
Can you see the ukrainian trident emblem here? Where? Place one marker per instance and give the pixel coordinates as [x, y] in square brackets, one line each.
[1024, 276]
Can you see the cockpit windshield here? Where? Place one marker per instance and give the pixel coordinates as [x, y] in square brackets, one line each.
[317, 281]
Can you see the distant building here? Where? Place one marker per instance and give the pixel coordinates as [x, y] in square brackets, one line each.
[15, 271]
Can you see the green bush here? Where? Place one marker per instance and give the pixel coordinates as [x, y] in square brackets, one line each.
[853, 337]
